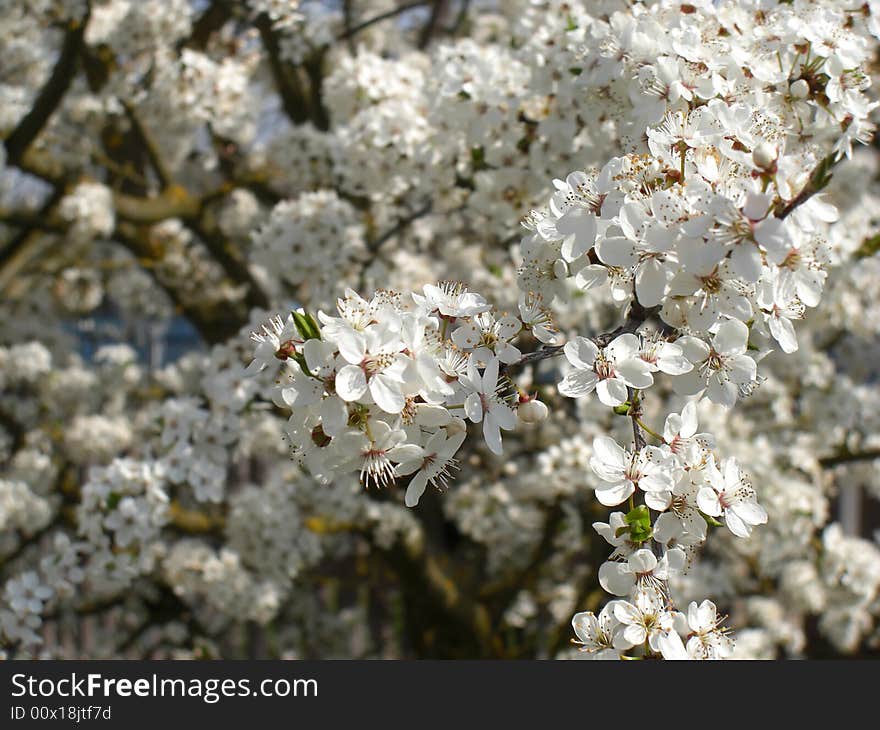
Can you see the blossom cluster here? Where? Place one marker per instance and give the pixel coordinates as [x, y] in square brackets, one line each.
[716, 229]
[384, 388]
[690, 410]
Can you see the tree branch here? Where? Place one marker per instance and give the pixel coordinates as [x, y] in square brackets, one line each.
[289, 88]
[427, 32]
[50, 95]
[501, 594]
[819, 179]
[636, 316]
[849, 457]
[434, 602]
[210, 21]
[150, 146]
[354, 30]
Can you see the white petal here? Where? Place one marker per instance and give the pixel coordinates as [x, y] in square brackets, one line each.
[616, 578]
[651, 283]
[658, 500]
[783, 332]
[689, 384]
[745, 261]
[473, 407]
[694, 349]
[676, 561]
[742, 369]
[623, 347]
[492, 435]
[578, 383]
[707, 501]
[635, 372]
[732, 338]
[334, 415]
[757, 205]
[670, 646]
[611, 392]
[612, 495]
[590, 277]
[672, 361]
[352, 345]
[642, 561]
[609, 451]
[579, 227]
[581, 352]
[688, 420]
[387, 394]
[736, 525]
[618, 252]
[750, 512]
[722, 392]
[416, 489]
[490, 376]
[351, 383]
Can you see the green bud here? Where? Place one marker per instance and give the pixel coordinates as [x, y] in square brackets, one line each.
[622, 409]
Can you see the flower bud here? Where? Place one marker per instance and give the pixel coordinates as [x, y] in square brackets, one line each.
[286, 350]
[764, 155]
[799, 89]
[532, 411]
[560, 269]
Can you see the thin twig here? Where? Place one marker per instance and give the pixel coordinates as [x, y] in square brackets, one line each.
[850, 457]
[350, 32]
[150, 145]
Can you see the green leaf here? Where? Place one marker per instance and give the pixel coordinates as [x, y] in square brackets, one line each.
[307, 326]
[711, 520]
[639, 521]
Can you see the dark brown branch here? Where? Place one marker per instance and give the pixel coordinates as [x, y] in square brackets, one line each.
[213, 326]
[850, 457]
[350, 32]
[458, 23]
[376, 243]
[636, 316]
[819, 179]
[208, 23]
[635, 413]
[427, 32]
[30, 540]
[288, 85]
[234, 267]
[50, 95]
[347, 35]
[150, 145]
[503, 593]
[314, 67]
[20, 248]
[434, 602]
